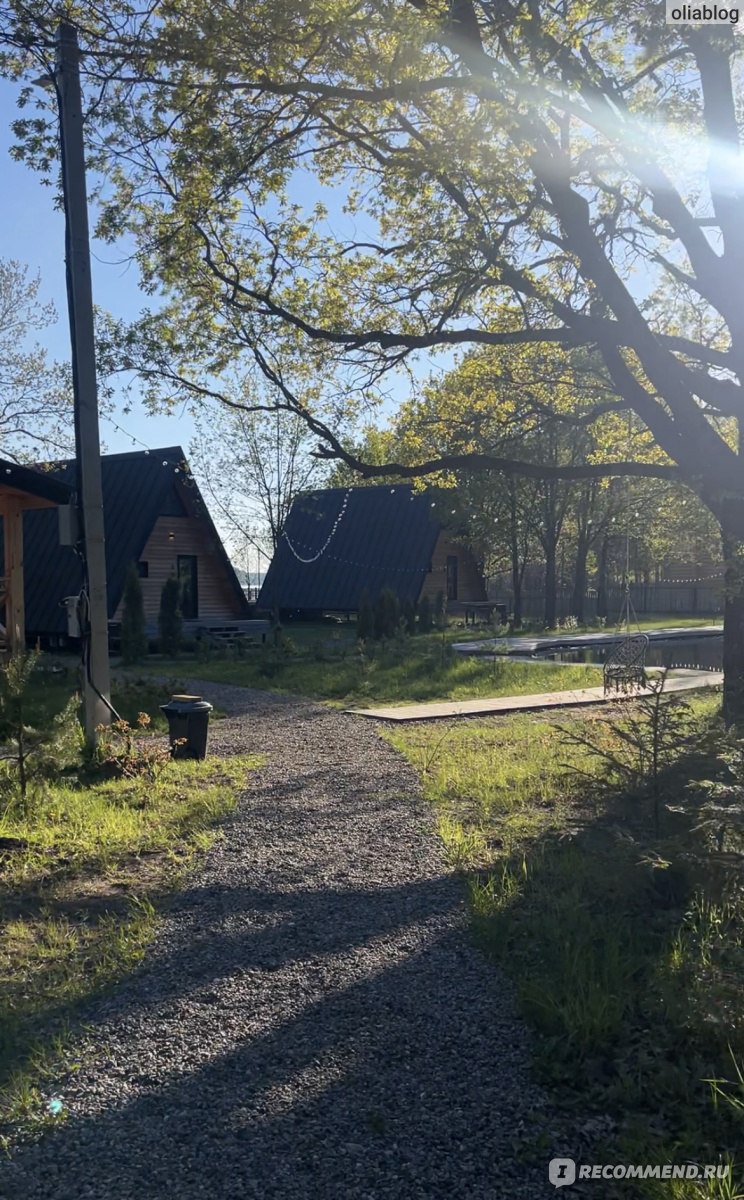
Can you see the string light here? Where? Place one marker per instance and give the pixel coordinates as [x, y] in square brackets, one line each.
[692, 579]
[327, 542]
[126, 433]
[186, 476]
[349, 562]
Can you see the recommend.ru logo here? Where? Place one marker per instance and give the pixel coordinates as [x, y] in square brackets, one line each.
[561, 1171]
[564, 1171]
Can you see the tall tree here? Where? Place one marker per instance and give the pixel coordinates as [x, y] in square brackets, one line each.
[530, 403]
[253, 466]
[503, 170]
[35, 394]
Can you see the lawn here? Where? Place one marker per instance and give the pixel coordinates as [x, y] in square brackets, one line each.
[87, 859]
[325, 662]
[57, 678]
[663, 621]
[626, 945]
[409, 671]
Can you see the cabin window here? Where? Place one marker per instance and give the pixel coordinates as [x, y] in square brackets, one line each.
[187, 576]
[451, 576]
[143, 570]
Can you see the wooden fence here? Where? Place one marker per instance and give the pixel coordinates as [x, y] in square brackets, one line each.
[687, 599]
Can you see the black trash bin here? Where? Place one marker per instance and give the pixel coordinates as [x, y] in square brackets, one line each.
[188, 725]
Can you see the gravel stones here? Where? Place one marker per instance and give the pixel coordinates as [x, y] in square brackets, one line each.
[313, 1019]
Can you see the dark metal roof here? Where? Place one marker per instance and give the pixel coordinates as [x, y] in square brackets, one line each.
[42, 484]
[384, 538]
[137, 488]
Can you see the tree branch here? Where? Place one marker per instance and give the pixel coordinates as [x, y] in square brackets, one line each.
[507, 466]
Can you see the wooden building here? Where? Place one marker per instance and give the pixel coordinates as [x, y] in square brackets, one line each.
[341, 542]
[154, 516]
[21, 489]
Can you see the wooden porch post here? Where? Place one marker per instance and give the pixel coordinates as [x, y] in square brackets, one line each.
[15, 612]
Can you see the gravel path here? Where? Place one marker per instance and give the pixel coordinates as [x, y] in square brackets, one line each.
[313, 1020]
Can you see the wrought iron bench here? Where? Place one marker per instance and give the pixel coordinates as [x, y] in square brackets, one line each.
[625, 666]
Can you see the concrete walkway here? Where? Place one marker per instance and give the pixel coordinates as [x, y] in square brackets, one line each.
[677, 681]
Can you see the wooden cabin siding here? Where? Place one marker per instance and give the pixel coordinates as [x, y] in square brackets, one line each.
[216, 596]
[470, 584]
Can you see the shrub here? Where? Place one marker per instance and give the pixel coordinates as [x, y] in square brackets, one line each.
[121, 753]
[721, 813]
[170, 620]
[365, 626]
[568, 622]
[425, 620]
[133, 634]
[440, 610]
[387, 614]
[635, 753]
[408, 616]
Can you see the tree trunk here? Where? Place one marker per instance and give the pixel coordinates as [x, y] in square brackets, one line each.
[579, 584]
[550, 586]
[516, 568]
[517, 593]
[733, 645]
[516, 572]
[604, 554]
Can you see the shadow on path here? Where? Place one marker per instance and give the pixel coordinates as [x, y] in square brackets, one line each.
[313, 1021]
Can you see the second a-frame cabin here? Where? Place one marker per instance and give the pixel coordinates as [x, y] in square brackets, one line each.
[342, 543]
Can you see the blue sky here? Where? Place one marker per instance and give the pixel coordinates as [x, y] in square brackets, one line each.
[32, 232]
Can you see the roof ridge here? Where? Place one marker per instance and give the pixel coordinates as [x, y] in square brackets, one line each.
[174, 453]
[352, 487]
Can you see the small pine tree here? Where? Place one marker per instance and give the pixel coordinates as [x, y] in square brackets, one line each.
[440, 610]
[408, 616]
[387, 614]
[170, 620]
[32, 753]
[365, 626]
[14, 685]
[133, 633]
[425, 621]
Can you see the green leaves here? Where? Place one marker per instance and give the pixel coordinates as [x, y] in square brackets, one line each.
[330, 190]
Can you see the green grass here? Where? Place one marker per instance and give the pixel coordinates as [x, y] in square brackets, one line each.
[421, 669]
[58, 678]
[79, 900]
[75, 829]
[626, 948]
[324, 661]
[309, 633]
[510, 771]
[86, 861]
[663, 621]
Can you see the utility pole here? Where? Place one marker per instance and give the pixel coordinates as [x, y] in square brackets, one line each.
[94, 621]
